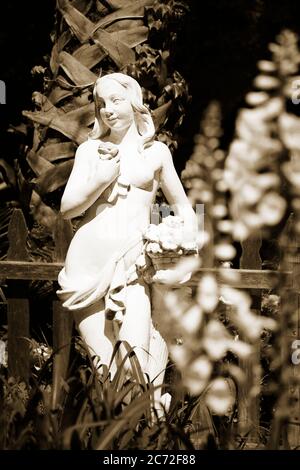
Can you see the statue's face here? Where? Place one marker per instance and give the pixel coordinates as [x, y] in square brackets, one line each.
[115, 107]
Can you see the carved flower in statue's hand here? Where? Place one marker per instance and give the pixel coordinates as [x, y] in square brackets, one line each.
[153, 248]
[189, 246]
[168, 244]
[107, 150]
[164, 231]
[152, 233]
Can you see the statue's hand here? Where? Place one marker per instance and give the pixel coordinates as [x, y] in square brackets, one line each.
[107, 150]
[109, 169]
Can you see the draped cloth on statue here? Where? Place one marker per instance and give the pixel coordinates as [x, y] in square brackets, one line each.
[110, 283]
[112, 278]
[119, 270]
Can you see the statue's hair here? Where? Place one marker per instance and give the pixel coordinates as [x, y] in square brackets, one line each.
[143, 119]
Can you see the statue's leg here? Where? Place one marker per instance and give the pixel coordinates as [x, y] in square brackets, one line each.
[138, 330]
[97, 332]
[158, 358]
[136, 324]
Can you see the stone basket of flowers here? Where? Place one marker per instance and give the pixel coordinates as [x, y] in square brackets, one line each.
[166, 244]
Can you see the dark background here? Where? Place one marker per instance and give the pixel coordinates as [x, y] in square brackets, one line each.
[217, 54]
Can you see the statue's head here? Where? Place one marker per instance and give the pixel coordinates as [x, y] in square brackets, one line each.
[131, 92]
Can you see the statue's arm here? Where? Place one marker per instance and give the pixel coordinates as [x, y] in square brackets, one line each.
[90, 176]
[174, 191]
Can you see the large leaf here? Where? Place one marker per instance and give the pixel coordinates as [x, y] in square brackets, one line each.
[57, 94]
[83, 5]
[84, 29]
[41, 101]
[75, 70]
[133, 10]
[60, 43]
[37, 163]
[119, 52]
[132, 37]
[54, 178]
[89, 55]
[73, 125]
[79, 24]
[8, 173]
[114, 4]
[92, 54]
[57, 151]
[159, 114]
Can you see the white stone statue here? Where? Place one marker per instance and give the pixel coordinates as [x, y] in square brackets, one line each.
[114, 181]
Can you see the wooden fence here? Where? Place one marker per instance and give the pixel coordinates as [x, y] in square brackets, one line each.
[18, 270]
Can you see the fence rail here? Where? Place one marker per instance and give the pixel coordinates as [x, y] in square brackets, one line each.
[17, 269]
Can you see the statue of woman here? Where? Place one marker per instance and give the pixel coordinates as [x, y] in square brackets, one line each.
[115, 177]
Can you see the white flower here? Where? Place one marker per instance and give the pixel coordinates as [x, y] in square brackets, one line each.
[225, 251]
[240, 348]
[266, 82]
[289, 126]
[164, 230]
[215, 340]
[219, 211]
[207, 295]
[267, 180]
[250, 194]
[240, 230]
[225, 226]
[291, 173]
[179, 355]
[238, 298]
[219, 396]
[153, 247]
[256, 98]
[272, 208]
[197, 375]
[152, 233]
[175, 309]
[189, 245]
[191, 320]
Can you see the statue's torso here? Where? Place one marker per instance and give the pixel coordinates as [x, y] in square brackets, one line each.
[120, 212]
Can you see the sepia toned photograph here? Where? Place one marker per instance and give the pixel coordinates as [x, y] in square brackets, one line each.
[150, 229]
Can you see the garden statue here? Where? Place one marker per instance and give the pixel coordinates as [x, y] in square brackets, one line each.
[114, 181]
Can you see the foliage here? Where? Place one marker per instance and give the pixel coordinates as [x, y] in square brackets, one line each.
[97, 413]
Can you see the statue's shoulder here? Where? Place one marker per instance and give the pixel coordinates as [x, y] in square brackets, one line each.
[159, 154]
[86, 146]
[158, 145]
[160, 149]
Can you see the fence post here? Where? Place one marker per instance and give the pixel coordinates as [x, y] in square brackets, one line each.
[17, 302]
[62, 319]
[248, 392]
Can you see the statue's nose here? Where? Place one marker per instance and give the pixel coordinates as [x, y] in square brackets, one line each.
[108, 112]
